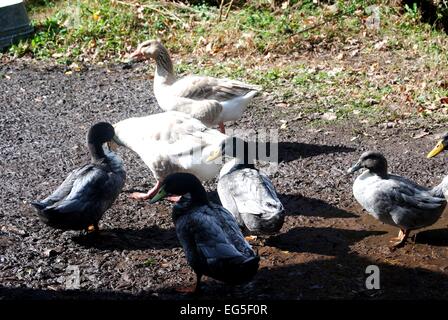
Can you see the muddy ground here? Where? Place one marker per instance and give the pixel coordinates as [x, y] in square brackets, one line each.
[322, 251]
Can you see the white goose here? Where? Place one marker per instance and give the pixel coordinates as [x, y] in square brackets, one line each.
[211, 100]
[171, 142]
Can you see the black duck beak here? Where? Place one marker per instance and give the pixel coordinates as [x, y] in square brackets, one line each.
[440, 146]
[159, 196]
[355, 167]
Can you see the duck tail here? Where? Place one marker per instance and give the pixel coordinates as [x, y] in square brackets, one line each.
[242, 269]
[39, 205]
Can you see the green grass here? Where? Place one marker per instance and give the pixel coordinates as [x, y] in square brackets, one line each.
[314, 58]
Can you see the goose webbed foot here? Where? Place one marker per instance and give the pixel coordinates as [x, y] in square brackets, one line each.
[401, 239]
[147, 195]
[222, 129]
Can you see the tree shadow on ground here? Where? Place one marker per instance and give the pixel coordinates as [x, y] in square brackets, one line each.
[434, 237]
[296, 204]
[290, 151]
[324, 241]
[151, 237]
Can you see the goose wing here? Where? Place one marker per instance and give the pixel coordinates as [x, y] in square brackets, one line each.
[207, 111]
[203, 87]
[170, 141]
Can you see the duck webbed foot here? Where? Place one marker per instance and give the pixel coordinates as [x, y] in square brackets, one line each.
[401, 239]
[91, 229]
[195, 289]
[147, 195]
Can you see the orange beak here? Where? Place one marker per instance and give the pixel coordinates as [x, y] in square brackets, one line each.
[136, 56]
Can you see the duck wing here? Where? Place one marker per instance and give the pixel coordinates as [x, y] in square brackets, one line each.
[252, 198]
[231, 229]
[210, 249]
[171, 141]
[94, 190]
[203, 87]
[409, 206]
[63, 190]
[92, 193]
[170, 132]
[253, 192]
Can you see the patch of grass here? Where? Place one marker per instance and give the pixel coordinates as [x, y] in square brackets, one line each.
[149, 262]
[314, 58]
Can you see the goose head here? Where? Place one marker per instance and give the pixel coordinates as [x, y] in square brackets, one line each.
[441, 145]
[373, 161]
[146, 50]
[234, 147]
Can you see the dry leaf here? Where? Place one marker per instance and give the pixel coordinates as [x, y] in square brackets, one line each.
[329, 116]
[421, 135]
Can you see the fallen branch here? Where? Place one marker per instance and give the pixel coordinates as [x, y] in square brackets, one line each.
[336, 15]
[152, 8]
[221, 7]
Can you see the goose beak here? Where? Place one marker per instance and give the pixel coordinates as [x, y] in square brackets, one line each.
[213, 155]
[437, 149]
[355, 167]
[159, 195]
[136, 56]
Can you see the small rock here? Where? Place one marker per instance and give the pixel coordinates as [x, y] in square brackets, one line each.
[52, 252]
[387, 125]
[329, 116]
[14, 229]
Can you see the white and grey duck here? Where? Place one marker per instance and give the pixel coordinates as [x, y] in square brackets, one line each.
[209, 99]
[395, 200]
[247, 192]
[81, 200]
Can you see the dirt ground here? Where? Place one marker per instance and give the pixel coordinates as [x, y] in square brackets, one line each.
[322, 251]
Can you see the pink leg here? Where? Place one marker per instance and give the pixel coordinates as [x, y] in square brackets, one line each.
[173, 198]
[222, 128]
[148, 195]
